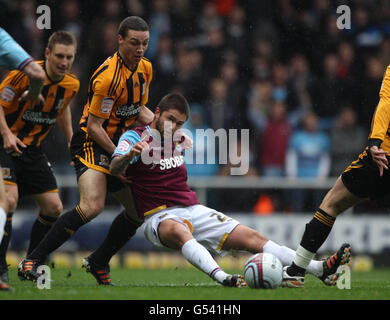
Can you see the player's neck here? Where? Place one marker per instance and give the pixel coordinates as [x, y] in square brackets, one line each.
[131, 66]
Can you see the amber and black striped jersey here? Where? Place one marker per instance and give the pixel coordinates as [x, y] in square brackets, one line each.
[32, 125]
[117, 94]
[380, 126]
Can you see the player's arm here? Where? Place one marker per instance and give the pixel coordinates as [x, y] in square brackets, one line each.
[65, 123]
[98, 134]
[11, 143]
[145, 116]
[37, 76]
[128, 151]
[380, 124]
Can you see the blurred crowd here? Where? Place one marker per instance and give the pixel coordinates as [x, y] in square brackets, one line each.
[306, 89]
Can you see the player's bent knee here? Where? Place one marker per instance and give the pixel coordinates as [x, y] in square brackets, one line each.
[91, 209]
[173, 234]
[12, 202]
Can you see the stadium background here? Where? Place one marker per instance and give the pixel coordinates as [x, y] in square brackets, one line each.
[257, 65]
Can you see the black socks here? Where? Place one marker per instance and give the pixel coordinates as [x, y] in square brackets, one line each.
[121, 230]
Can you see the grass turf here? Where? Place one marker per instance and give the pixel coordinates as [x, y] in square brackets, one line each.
[188, 284]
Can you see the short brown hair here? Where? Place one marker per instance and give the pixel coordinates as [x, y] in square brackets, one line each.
[175, 101]
[134, 23]
[63, 37]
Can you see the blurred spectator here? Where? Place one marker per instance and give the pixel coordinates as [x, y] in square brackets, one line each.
[299, 81]
[368, 94]
[260, 101]
[71, 20]
[274, 142]
[236, 86]
[366, 34]
[159, 22]
[237, 36]
[214, 51]
[222, 112]
[204, 147]
[209, 19]
[308, 157]
[347, 138]
[189, 74]
[327, 92]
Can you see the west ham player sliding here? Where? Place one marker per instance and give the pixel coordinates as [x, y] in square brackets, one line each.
[173, 216]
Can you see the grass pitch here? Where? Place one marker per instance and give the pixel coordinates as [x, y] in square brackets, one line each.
[187, 284]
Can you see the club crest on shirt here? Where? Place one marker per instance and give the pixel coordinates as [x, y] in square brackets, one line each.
[60, 104]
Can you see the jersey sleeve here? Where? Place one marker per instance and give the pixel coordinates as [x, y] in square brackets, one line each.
[101, 103]
[381, 119]
[12, 87]
[12, 55]
[126, 142]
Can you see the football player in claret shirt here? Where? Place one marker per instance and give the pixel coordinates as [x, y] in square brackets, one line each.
[23, 126]
[368, 177]
[173, 216]
[117, 97]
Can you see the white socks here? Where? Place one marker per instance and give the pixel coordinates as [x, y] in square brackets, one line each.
[3, 220]
[287, 256]
[199, 256]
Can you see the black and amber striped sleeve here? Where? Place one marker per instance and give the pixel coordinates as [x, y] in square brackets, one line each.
[12, 87]
[381, 120]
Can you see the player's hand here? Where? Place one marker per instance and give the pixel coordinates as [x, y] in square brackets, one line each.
[11, 144]
[181, 137]
[379, 156]
[137, 149]
[27, 96]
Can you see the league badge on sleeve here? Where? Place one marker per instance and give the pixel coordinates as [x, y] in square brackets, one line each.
[8, 94]
[106, 105]
[124, 146]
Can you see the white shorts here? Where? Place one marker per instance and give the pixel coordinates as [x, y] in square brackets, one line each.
[208, 226]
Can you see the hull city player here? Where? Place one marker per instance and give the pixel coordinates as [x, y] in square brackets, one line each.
[24, 125]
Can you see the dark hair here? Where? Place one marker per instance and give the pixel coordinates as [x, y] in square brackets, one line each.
[134, 23]
[62, 37]
[175, 101]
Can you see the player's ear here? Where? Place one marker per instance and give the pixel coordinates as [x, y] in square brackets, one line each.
[120, 39]
[47, 53]
[157, 112]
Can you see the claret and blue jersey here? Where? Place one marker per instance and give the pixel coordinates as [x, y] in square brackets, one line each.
[160, 179]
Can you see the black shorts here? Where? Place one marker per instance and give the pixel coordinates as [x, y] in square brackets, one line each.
[31, 171]
[87, 154]
[362, 178]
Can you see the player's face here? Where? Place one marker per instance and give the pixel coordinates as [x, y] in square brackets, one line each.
[132, 48]
[60, 59]
[169, 121]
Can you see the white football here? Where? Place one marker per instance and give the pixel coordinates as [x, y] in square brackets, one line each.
[263, 270]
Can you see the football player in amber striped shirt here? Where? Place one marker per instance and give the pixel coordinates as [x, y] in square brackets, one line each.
[117, 95]
[23, 126]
